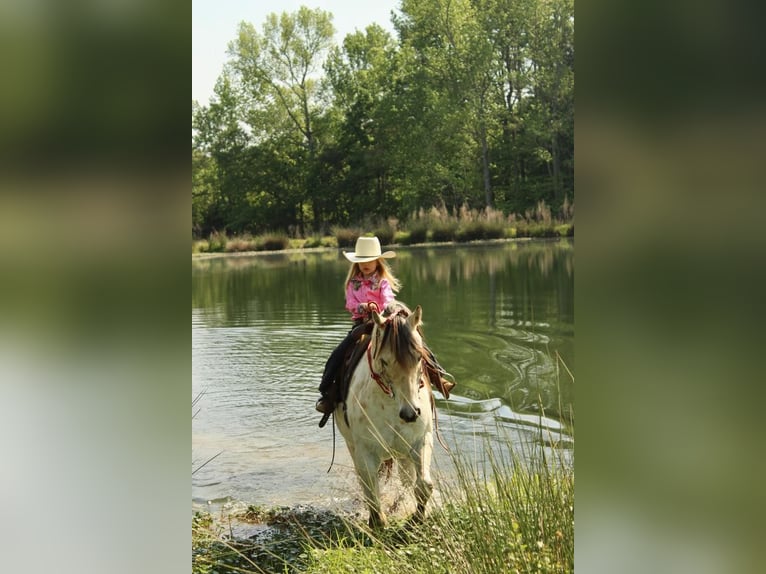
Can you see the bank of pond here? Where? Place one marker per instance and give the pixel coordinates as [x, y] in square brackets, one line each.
[499, 516]
[435, 226]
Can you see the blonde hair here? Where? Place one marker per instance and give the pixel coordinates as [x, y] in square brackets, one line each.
[383, 271]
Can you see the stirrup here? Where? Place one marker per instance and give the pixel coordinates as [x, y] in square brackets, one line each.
[324, 419]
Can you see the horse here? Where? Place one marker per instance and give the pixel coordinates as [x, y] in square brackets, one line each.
[388, 412]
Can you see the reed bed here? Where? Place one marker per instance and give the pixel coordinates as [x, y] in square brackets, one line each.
[433, 225]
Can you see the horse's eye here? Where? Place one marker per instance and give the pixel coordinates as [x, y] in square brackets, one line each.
[384, 363]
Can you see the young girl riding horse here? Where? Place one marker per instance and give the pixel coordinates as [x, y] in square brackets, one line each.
[370, 286]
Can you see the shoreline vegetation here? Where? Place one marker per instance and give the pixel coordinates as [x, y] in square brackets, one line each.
[497, 515]
[426, 226]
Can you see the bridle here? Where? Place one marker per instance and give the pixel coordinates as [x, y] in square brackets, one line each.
[377, 377]
[388, 389]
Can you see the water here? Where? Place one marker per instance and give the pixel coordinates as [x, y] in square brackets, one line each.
[499, 317]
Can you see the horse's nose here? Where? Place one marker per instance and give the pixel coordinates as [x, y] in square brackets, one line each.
[408, 414]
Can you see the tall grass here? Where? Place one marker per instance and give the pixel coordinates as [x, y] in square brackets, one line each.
[436, 224]
[501, 513]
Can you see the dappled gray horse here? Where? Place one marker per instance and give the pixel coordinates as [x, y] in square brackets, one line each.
[388, 411]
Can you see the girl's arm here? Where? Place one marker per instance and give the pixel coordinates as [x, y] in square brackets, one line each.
[386, 293]
[352, 300]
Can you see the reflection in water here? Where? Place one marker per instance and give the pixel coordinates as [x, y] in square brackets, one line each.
[500, 319]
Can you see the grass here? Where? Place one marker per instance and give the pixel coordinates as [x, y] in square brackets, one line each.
[500, 515]
[436, 224]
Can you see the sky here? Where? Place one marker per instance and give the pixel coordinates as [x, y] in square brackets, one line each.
[215, 22]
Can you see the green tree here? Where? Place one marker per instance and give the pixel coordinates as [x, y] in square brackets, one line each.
[361, 76]
[454, 58]
[552, 55]
[219, 169]
[278, 77]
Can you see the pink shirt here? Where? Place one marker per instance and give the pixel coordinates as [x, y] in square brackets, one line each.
[360, 291]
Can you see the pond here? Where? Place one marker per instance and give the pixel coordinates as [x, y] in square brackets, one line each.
[499, 317]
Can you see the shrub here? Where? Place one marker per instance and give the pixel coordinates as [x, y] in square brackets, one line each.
[385, 233]
[444, 231]
[541, 230]
[217, 242]
[200, 246]
[418, 233]
[346, 236]
[275, 242]
[494, 230]
[239, 244]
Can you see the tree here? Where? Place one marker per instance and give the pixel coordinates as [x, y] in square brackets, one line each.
[278, 73]
[553, 58]
[219, 170]
[361, 76]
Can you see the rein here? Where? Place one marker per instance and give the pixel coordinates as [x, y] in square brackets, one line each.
[376, 376]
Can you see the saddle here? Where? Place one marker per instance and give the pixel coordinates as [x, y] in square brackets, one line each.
[351, 359]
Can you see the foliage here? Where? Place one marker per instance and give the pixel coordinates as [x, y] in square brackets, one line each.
[275, 242]
[500, 515]
[217, 242]
[472, 103]
[444, 231]
[346, 237]
[418, 232]
[385, 233]
[435, 224]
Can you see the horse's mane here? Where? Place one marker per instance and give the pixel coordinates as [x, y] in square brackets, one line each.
[405, 343]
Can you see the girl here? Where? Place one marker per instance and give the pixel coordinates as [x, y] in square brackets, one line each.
[370, 285]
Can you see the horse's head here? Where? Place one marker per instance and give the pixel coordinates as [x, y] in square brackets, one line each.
[398, 351]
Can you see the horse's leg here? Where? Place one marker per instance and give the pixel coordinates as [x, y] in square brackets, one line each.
[367, 466]
[407, 473]
[423, 484]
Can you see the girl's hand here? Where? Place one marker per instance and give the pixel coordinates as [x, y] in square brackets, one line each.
[372, 306]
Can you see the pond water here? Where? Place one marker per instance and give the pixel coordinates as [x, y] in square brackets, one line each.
[499, 317]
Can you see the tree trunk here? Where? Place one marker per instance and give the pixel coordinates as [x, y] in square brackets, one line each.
[485, 169]
[556, 160]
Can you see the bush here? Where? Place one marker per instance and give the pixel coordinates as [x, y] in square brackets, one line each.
[385, 234]
[471, 231]
[217, 242]
[200, 246]
[418, 233]
[444, 231]
[541, 230]
[493, 230]
[275, 242]
[346, 236]
[313, 242]
[239, 244]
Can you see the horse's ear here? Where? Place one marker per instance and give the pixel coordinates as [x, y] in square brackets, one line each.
[378, 318]
[415, 319]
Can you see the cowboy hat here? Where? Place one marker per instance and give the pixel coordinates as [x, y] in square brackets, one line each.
[367, 249]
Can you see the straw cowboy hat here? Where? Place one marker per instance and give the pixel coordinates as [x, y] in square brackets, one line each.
[367, 249]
